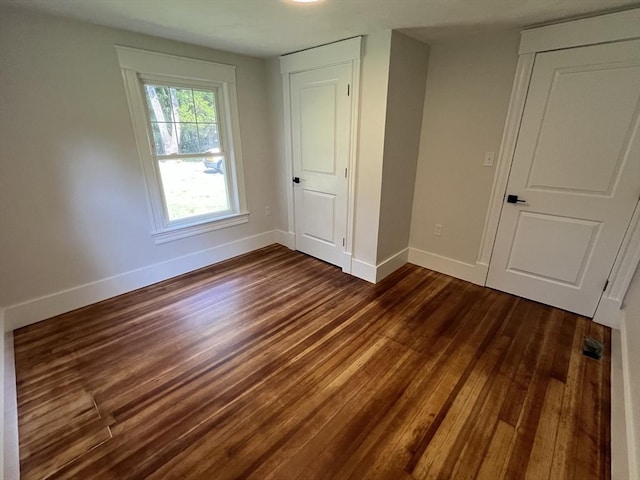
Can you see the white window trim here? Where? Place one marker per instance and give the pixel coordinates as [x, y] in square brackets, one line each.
[138, 65]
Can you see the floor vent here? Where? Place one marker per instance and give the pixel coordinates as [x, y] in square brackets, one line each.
[592, 348]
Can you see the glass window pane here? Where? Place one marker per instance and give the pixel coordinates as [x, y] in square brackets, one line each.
[191, 188]
[159, 103]
[182, 104]
[164, 138]
[188, 138]
[209, 138]
[182, 120]
[205, 106]
[214, 164]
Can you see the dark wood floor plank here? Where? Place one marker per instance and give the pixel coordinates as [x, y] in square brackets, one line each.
[312, 450]
[408, 431]
[588, 451]
[276, 429]
[445, 446]
[274, 365]
[539, 463]
[473, 435]
[563, 464]
[442, 440]
[517, 394]
[529, 416]
[446, 319]
[498, 452]
[182, 421]
[480, 428]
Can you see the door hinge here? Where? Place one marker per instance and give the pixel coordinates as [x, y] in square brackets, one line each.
[345, 173]
[343, 241]
[606, 284]
[348, 89]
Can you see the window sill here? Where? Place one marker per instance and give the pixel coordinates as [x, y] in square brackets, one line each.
[178, 232]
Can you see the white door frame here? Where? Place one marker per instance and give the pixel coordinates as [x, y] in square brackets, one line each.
[611, 27]
[345, 51]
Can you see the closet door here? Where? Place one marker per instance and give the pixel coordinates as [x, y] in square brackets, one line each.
[320, 134]
[575, 177]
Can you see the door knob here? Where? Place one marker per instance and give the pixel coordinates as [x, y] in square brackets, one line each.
[514, 199]
[296, 179]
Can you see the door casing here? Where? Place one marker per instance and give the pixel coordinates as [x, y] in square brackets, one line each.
[612, 27]
[583, 216]
[345, 51]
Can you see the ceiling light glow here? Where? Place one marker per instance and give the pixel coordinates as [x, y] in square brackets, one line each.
[305, 1]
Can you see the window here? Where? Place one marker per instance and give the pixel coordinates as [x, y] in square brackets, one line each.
[185, 119]
[186, 147]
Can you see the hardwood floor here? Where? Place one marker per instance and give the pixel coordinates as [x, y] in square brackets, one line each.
[275, 365]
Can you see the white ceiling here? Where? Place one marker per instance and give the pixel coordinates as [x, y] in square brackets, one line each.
[273, 27]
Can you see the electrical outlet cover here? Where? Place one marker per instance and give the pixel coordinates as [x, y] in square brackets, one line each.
[489, 158]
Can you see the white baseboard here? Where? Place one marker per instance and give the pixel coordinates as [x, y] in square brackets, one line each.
[619, 450]
[38, 309]
[631, 410]
[4, 393]
[391, 264]
[609, 312]
[288, 239]
[346, 262]
[474, 273]
[375, 273]
[11, 456]
[363, 270]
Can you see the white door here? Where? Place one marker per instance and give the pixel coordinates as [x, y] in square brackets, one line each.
[576, 175]
[320, 130]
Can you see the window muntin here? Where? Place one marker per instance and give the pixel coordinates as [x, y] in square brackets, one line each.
[183, 120]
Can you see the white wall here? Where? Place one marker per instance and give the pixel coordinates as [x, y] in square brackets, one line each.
[392, 84]
[73, 206]
[388, 140]
[282, 182]
[374, 81]
[405, 99]
[374, 78]
[631, 373]
[467, 95]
